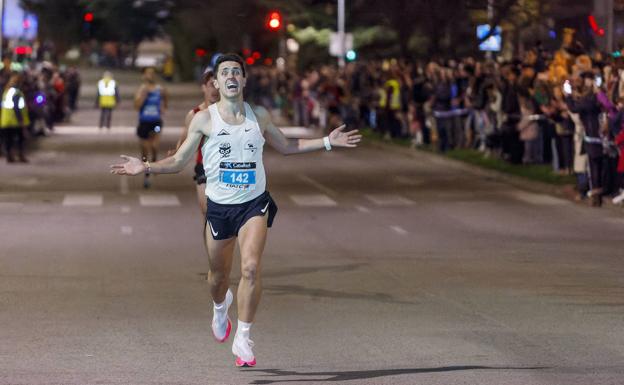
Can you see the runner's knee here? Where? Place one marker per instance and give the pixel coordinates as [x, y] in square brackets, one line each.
[250, 271]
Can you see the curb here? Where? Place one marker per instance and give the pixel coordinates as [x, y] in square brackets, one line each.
[560, 191]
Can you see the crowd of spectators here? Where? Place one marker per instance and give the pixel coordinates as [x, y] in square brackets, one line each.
[564, 108]
[50, 93]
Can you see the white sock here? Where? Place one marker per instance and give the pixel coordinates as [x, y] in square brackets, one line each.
[220, 310]
[242, 331]
[220, 306]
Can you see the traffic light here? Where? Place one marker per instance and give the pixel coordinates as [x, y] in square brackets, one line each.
[87, 23]
[594, 26]
[274, 21]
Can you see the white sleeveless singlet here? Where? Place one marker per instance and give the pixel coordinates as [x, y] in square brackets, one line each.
[232, 157]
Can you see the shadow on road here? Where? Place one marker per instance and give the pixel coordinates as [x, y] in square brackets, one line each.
[322, 293]
[278, 374]
[312, 270]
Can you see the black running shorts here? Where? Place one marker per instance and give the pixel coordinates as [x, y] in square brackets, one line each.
[225, 221]
[145, 129]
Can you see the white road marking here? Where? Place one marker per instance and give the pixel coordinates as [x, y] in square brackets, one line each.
[362, 209]
[399, 230]
[46, 156]
[123, 185]
[90, 200]
[94, 130]
[616, 221]
[313, 200]
[126, 230]
[299, 132]
[407, 181]
[388, 200]
[22, 181]
[317, 185]
[125, 209]
[159, 200]
[538, 199]
[302, 132]
[11, 205]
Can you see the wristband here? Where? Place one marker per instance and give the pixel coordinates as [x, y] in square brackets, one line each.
[326, 143]
[148, 168]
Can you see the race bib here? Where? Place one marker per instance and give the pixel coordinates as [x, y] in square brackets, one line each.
[151, 111]
[237, 175]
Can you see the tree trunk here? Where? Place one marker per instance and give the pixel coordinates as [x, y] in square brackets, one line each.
[182, 51]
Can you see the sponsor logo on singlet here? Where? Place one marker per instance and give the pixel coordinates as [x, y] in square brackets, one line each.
[225, 149]
[249, 146]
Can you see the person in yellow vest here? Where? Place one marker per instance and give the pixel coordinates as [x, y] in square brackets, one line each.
[13, 118]
[168, 68]
[107, 98]
[392, 104]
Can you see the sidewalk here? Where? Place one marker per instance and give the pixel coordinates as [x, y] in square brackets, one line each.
[565, 191]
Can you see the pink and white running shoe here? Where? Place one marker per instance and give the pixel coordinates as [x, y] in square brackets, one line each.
[221, 324]
[241, 348]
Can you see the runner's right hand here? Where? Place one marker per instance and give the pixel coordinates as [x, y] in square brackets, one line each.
[132, 166]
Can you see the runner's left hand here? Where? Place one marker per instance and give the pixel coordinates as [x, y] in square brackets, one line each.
[339, 138]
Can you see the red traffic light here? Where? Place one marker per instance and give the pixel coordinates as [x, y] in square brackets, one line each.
[23, 50]
[88, 17]
[275, 21]
[594, 26]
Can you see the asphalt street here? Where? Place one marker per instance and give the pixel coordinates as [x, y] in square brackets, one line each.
[381, 268]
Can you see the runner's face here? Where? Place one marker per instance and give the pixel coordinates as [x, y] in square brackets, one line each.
[211, 94]
[230, 80]
[148, 75]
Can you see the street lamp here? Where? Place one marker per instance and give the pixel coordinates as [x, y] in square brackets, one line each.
[341, 32]
[1, 25]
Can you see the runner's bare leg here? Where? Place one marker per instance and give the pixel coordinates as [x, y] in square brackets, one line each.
[220, 255]
[251, 240]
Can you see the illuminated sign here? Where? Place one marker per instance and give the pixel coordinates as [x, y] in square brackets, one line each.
[492, 43]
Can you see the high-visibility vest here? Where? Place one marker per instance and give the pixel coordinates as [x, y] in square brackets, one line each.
[395, 97]
[383, 98]
[106, 89]
[8, 118]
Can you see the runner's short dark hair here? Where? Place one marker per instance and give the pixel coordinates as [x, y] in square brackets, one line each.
[229, 57]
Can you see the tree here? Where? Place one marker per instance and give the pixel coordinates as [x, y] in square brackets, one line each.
[61, 20]
[120, 20]
[212, 25]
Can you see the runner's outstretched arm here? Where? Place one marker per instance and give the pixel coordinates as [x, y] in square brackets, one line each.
[185, 129]
[171, 164]
[289, 146]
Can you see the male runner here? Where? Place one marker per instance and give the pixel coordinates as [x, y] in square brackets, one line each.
[211, 95]
[238, 203]
[151, 101]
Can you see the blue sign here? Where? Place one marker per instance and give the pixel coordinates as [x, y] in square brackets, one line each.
[492, 43]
